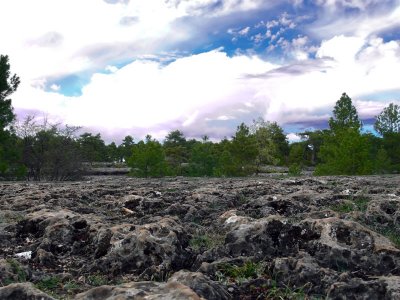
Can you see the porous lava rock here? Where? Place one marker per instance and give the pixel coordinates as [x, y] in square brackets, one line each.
[201, 238]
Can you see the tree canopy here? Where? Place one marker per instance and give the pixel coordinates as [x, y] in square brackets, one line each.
[388, 121]
[8, 85]
[344, 115]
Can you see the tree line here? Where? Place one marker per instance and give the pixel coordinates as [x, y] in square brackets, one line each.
[36, 150]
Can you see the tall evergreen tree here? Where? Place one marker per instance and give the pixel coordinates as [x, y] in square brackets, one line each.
[388, 121]
[148, 159]
[345, 150]
[8, 85]
[176, 151]
[344, 115]
[9, 154]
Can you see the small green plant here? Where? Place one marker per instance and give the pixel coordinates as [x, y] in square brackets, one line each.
[71, 287]
[354, 204]
[200, 241]
[361, 204]
[344, 207]
[49, 285]
[239, 274]
[97, 279]
[206, 240]
[285, 292]
[17, 270]
[392, 235]
[294, 170]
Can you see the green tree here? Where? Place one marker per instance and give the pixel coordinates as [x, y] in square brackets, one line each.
[176, 151]
[126, 147]
[382, 163]
[344, 115]
[8, 85]
[388, 121]
[49, 152]
[345, 150]
[226, 165]
[148, 159]
[9, 154]
[93, 148]
[244, 150]
[273, 146]
[298, 153]
[202, 159]
[113, 152]
[391, 144]
[312, 144]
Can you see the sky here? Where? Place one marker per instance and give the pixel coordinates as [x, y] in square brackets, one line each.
[137, 67]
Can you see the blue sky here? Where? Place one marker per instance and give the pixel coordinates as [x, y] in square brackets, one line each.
[135, 67]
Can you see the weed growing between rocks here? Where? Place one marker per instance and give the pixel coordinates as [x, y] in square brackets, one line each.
[97, 279]
[206, 240]
[353, 204]
[17, 269]
[50, 285]
[238, 274]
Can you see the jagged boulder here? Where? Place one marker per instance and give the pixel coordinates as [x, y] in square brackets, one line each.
[23, 291]
[151, 250]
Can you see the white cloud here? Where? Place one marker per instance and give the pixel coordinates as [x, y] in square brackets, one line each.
[213, 8]
[292, 137]
[244, 31]
[51, 38]
[55, 87]
[361, 25]
[111, 69]
[225, 118]
[359, 4]
[145, 95]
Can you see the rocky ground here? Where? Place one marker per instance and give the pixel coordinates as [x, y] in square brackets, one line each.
[180, 238]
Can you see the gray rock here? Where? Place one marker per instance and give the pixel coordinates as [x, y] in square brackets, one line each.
[140, 291]
[202, 285]
[22, 291]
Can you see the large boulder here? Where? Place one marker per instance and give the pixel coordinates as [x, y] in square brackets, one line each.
[140, 291]
[151, 250]
[23, 291]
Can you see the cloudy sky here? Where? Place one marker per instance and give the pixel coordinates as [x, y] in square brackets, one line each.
[122, 67]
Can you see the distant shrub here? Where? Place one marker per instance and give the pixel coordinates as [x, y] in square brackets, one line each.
[294, 170]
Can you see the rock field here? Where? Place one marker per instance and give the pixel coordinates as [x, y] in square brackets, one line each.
[198, 238]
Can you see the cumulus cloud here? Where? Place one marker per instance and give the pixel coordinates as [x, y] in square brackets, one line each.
[139, 76]
[211, 8]
[192, 91]
[332, 22]
[359, 4]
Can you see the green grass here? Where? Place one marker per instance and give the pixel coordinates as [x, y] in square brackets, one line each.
[391, 234]
[356, 204]
[279, 293]
[71, 287]
[17, 270]
[294, 170]
[97, 279]
[361, 204]
[239, 274]
[49, 283]
[344, 207]
[206, 241]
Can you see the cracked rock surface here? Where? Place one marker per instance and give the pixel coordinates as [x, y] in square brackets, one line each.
[115, 237]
